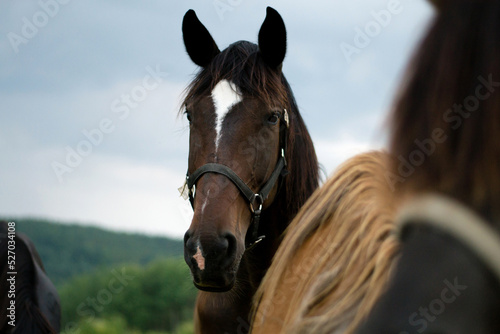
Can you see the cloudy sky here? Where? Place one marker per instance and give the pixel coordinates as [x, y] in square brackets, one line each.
[89, 94]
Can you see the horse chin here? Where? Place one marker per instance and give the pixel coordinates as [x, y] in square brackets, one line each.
[218, 283]
[210, 288]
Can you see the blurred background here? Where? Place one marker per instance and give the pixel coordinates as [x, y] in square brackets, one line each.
[89, 127]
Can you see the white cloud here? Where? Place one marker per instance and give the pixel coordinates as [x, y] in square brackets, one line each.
[331, 153]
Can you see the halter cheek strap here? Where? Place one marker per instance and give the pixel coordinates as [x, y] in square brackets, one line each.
[255, 200]
[456, 220]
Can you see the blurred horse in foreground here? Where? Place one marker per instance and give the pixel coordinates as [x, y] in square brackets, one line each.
[445, 133]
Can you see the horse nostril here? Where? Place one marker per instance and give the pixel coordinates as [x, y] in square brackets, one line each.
[231, 244]
[189, 245]
[187, 235]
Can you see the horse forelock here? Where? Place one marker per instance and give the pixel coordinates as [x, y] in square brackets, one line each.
[241, 64]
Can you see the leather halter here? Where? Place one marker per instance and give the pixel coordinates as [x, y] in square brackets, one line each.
[255, 199]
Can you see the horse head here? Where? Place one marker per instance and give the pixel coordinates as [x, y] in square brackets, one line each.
[238, 120]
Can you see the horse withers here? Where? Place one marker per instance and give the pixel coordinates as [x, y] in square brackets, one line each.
[251, 167]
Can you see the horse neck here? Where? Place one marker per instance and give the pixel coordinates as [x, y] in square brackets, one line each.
[256, 261]
[294, 189]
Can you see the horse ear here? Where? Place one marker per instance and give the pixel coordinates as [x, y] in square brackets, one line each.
[272, 39]
[200, 45]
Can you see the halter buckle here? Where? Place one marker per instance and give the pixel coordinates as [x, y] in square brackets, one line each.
[253, 244]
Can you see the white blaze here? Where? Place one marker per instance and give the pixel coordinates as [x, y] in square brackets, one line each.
[225, 95]
[206, 200]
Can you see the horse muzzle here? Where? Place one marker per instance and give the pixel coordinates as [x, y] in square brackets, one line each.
[213, 261]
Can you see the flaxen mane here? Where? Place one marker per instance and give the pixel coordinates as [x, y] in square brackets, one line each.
[335, 257]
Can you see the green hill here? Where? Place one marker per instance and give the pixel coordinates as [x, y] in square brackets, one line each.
[68, 250]
[158, 297]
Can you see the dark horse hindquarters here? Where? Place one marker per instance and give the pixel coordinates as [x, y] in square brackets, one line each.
[37, 305]
[243, 122]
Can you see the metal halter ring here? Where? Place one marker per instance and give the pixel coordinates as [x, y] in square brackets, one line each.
[257, 198]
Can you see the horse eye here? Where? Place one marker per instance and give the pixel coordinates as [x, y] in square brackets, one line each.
[273, 119]
[188, 115]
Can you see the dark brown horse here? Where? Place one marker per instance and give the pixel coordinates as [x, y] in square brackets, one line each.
[446, 127]
[251, 167]
[37, 309]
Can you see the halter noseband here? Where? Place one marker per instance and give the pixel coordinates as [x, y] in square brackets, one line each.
[255, 200]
